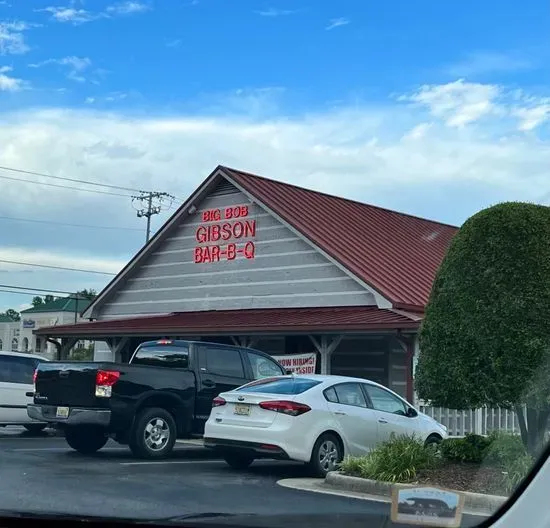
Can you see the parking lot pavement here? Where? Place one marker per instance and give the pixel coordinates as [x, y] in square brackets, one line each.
[40, 473]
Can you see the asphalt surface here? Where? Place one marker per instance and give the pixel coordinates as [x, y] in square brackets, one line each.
[40, 473]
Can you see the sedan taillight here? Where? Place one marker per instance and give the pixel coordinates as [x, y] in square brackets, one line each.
[218, 402]
[285, 407]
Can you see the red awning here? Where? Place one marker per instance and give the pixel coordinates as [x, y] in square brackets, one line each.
[264, 321]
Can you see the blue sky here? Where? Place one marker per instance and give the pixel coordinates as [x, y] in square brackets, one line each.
[434, 108]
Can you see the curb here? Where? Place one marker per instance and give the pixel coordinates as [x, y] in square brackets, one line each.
[472, 501]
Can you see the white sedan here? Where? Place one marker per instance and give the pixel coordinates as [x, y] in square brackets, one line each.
[313, 419]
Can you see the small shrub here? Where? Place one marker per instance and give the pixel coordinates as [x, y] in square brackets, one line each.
[516, 470]
[505, 448]
[397, 460]
[471, 449]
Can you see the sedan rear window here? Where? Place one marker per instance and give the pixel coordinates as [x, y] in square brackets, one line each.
[281, 386]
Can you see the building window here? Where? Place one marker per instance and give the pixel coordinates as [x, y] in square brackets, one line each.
[14, 344]
[38, 347]
[1, 345]
[25, 344]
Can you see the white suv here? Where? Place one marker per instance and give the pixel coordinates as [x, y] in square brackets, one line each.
[16, 379]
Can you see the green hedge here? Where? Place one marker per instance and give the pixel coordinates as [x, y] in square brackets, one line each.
[472, 448]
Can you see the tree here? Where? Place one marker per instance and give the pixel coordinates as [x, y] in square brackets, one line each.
[40, 301]
[87, 294]
[37, 301]
[485, 338]
[12, 314]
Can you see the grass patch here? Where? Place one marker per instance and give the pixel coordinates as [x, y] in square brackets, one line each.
[398, 460]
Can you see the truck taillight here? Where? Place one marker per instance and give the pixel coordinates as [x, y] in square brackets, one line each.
[104, 381]
[34, 374]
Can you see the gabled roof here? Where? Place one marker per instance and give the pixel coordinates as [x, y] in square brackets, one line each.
[6, 319]
[220, 322]
[64, 304]
[395, 254]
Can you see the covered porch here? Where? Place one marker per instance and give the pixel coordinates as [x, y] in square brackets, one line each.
[366, 342]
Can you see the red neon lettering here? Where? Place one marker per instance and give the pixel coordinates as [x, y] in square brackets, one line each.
[240, 211]
[226, 231]
[249, 250]
[211, 215]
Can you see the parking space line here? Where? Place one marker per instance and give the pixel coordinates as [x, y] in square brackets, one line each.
[158, 462]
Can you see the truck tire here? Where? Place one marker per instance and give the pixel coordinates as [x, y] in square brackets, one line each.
[86, 439]
[153, 434]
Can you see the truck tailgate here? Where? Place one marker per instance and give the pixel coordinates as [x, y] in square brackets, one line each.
[68, 383]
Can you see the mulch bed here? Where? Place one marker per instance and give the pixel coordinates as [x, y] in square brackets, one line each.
[465, 477]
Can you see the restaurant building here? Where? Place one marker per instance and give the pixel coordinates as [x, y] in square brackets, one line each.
[335, 283]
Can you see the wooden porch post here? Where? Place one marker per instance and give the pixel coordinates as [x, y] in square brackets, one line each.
[325, 348]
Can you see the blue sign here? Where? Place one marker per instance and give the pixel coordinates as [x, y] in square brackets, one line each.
[28, 323]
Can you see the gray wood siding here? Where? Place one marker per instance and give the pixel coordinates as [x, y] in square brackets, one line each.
[286, 272]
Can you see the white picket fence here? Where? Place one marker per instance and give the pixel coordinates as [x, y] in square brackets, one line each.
[479, 421]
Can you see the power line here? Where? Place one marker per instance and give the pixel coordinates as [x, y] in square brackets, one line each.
[74, 180]
[56, 267]
[32, 293]
[42, 290]
[151, 208]
[65, 186]
[69, 225]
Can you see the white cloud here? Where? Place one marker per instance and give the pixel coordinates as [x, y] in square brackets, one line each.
[71, 15]
[76, 66]
[127, 8]
[12, 40]
[76, 15]
[274, 12]
[337, 22]
[533, 116]
[10, 84]
[458, 103]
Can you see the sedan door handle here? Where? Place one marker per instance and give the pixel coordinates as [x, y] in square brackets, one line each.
[340, 413]
[381, 420]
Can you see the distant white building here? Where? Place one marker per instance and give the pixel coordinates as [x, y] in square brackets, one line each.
[18, 335]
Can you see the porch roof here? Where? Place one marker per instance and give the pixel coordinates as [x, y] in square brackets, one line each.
[257, 321]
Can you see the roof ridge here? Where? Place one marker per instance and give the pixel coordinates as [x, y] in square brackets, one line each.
[343, 198]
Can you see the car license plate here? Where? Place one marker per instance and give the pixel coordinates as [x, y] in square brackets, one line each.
[62, 412]
[242, 410]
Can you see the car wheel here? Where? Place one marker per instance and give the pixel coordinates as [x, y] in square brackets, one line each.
[153, 434]
[238, 460]
[34, 428]
[432, 441]
[326, 455]
[86, 440]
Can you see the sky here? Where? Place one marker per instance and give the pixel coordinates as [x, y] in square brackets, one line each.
[438, 109]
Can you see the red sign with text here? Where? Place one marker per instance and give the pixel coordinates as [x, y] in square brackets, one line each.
[225, 234]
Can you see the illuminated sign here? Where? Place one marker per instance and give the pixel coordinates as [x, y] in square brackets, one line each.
[224, 233]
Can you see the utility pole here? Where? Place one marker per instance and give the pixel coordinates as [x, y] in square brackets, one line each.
[148, 204]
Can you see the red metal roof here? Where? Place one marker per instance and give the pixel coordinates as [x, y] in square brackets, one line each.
[354, 318]
[396, 254]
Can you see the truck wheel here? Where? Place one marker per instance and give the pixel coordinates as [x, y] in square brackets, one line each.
[86, 440]
[34, 428]
[154, 433]
[238, 460]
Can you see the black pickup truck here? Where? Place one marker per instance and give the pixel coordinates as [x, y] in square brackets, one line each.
[165, 392]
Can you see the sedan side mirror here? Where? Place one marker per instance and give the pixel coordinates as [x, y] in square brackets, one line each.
[288, 372]
[411, 413]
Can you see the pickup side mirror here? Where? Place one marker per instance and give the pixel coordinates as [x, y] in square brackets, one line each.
[411, 413]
